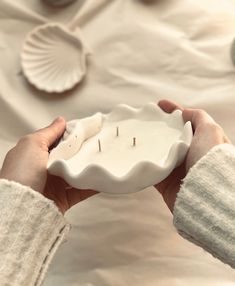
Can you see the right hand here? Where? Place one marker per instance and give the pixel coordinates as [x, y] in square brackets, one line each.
[207, 134]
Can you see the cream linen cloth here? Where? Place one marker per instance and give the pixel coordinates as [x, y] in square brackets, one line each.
[142, 51]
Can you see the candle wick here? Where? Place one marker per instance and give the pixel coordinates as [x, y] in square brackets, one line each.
[117, 131]
[99, 144]
[134, 141]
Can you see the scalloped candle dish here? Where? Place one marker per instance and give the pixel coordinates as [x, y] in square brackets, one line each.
[53, 58]
[123, 151]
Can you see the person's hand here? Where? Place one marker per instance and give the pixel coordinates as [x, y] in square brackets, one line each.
[207, 134]
[26, 163]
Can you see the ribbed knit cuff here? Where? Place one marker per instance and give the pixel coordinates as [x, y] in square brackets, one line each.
[204, 211]
[31, 229]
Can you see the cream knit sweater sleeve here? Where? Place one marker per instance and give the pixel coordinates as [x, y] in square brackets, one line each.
[31, 230]
[204, 211]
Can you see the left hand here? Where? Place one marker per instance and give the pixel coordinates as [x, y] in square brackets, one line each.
[26, 163]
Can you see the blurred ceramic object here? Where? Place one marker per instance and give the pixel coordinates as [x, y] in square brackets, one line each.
[119, 166]
[233, 52]
[54, 58]
[58, 3]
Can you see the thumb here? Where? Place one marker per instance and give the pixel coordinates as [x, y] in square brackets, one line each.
[52, 132]
[169, 106]
[197, 117]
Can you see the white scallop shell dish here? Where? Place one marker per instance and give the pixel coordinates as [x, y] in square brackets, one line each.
[54, 58]
[123, 151]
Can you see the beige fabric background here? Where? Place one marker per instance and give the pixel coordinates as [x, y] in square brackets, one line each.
[142, 51]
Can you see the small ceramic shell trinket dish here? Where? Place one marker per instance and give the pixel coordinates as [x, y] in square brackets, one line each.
[54, 58]
[123, 151]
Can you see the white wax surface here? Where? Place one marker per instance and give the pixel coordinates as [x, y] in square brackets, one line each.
[118, 155]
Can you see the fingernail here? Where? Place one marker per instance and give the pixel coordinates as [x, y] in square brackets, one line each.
[58, 119]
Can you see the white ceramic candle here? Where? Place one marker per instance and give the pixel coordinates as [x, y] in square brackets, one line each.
[123, 151]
